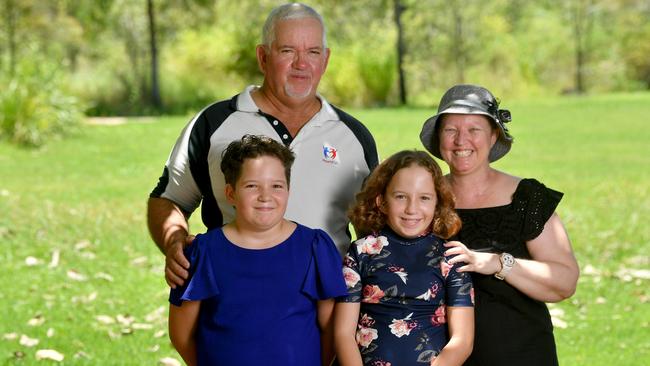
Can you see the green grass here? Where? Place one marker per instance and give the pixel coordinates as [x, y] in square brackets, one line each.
[84, 197]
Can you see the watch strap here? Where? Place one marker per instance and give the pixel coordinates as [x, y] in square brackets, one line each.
[507, 262]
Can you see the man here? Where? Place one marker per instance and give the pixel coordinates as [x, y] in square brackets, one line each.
[334, 151]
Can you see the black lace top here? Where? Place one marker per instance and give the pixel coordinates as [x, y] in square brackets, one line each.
[511, 328]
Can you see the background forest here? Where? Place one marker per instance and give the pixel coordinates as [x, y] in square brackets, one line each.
[67, 58]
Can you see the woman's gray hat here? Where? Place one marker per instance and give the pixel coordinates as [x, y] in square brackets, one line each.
[469, 99]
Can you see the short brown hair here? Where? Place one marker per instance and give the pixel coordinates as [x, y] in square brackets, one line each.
[366, 216]
[251, 147]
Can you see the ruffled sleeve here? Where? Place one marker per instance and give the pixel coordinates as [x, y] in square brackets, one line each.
[324, 278]
[537, 204]
[201, 283]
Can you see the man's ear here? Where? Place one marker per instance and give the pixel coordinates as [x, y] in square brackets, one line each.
[327, 59]
[261, 51]
[229, 192]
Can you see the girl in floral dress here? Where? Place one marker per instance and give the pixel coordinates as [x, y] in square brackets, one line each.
[406, 305]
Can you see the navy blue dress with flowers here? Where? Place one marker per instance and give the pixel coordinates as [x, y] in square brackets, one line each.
[404, 286]
[258, 306]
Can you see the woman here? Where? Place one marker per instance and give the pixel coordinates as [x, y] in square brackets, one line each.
[511, 240]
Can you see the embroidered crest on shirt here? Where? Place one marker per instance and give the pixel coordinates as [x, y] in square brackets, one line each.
[330, 154]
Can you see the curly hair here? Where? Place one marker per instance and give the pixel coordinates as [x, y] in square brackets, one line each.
[366, 215]
[251, 147]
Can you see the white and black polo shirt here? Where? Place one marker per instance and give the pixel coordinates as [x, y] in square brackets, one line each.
[334, 154]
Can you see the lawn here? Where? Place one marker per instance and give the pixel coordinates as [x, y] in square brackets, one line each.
[81, 276]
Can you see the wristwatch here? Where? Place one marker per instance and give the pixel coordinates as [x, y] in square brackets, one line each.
[507, 261]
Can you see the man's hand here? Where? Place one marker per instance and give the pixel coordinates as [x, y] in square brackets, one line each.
[169, 230]
[176, 265]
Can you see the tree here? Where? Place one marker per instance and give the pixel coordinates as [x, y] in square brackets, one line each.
[153, 51]
[634, 39]
[10, 28]
[451, 39]
[401, 50]
[582, 20]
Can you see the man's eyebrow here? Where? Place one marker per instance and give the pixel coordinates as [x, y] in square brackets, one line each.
[293, 47]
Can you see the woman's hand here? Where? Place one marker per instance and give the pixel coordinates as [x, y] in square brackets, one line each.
[479, 262]
[551, 275]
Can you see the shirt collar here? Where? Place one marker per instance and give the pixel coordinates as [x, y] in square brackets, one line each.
[245, 103]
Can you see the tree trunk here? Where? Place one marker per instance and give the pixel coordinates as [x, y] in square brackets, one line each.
[583, 20]
[399, 8]
[10, 23]
[155, 88]
[578, 44]
[458, 46]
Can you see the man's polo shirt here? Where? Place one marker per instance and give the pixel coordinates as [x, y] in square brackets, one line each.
[334, 154]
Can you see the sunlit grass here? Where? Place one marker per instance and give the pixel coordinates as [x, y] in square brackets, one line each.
[84, 198]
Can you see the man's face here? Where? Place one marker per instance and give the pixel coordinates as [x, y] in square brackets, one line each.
[296, 60]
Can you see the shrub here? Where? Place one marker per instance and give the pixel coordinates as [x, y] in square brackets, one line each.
[35, 106]
[378, 72]
[199, 71]
[341, 84]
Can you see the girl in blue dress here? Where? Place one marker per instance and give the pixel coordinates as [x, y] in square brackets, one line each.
[406, 305]
[261, 288]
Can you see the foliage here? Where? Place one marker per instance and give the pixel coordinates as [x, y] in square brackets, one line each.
[378, 73]
[199, 73]
[524, 48]
[115, 77]
[636, 44]
[84, 278]
[35, 104]
[342, 84]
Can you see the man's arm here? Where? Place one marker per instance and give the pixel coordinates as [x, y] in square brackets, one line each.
[169, 230]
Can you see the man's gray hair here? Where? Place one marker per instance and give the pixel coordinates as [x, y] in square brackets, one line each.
[286, 12]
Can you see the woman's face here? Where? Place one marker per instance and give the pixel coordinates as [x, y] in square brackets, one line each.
[465, 141]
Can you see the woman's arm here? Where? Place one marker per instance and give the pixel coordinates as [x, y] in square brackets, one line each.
[551, 275]
[326, 324]
[182, 329]
[346, 316]
[461, 336]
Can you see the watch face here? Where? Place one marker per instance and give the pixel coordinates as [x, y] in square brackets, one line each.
[508, 260]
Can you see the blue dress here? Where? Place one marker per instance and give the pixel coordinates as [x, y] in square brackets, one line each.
[404, 286]
[259, 305]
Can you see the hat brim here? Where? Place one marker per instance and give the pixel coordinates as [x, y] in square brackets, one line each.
[431, 142]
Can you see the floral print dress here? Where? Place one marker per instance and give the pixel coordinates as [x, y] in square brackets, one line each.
[404, 286]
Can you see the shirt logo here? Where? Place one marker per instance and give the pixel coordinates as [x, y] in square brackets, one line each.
[330, 154]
